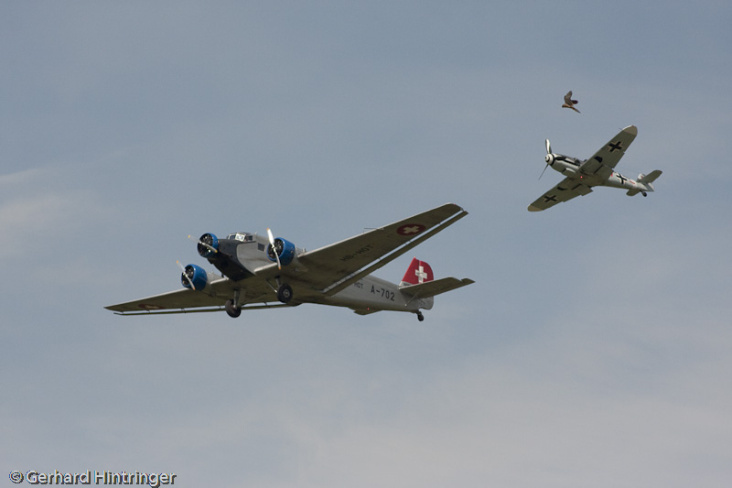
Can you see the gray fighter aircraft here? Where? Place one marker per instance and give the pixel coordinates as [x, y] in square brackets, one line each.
[262, 272]
[599, 170]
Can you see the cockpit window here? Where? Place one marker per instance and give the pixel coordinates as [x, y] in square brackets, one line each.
[241, 237]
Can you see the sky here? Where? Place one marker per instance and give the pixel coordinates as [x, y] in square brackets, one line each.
[593, 349]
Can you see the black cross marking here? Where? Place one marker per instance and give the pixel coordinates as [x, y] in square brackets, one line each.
[616, 146]
[550, 198]
[623, 179]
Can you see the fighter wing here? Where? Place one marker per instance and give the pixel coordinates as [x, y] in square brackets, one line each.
[332, 268]
[604, 161]
[567, 189]
[210, 299]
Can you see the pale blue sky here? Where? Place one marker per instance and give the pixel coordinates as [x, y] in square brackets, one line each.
[593, 350]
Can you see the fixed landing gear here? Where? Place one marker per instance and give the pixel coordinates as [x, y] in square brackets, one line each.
[232, 309]
[644, 194]
[420, 317]
[284, 293]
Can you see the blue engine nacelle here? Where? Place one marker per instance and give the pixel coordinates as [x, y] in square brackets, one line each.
[285, 250]
[196, 275]
[208, 245]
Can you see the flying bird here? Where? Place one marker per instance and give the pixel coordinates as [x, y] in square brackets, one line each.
[568, 102]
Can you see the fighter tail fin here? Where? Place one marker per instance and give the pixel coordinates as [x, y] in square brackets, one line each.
[646, 180]
[650, 177]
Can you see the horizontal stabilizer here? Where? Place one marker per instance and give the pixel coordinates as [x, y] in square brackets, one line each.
[645, 182]
[651, 177]
[433, 288]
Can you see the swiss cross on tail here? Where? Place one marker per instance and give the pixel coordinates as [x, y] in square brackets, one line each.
[418, 272]
[419, 285]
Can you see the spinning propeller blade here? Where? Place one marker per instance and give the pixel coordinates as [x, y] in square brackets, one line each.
[274, 250]
[200, 242]
[542, 171]
[547, 159]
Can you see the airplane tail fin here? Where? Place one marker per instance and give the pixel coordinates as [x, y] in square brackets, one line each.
[418, 272]
[650, 177]
[419, 281]
[646, 180]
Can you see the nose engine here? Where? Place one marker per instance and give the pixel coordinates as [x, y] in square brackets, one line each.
[222, 254]
[208, 245]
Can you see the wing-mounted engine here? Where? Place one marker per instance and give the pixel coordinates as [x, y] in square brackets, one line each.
[194, 277]
[222, 254]
[281, 251]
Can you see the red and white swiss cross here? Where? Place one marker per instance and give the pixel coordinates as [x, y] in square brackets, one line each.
[418, 272]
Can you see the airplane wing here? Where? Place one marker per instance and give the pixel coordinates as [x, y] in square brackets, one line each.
[210, 299]
[334, 267]
[604, 161]
[565, 190]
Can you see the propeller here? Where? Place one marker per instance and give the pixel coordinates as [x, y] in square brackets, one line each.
[549, 158]
[274, 249]
[204, 244]
[185, 275]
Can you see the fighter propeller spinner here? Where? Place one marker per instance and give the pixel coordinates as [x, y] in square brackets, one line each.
[599, 170]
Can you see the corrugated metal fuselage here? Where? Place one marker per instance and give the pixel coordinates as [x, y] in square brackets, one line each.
[370, 294]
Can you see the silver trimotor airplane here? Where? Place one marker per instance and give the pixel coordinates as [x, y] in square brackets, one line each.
[581, 176]
[262, 272]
